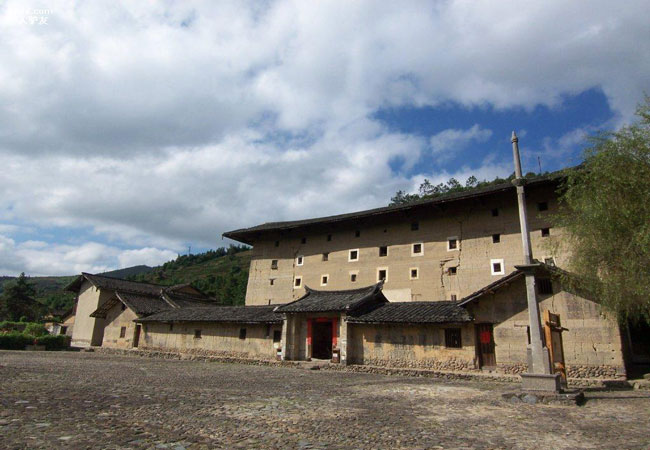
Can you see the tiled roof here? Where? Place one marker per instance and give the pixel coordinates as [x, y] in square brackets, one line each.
[249, 235]
[233, 314]
[414, 312]
[143, 305]
[103, 309]
[329, 301]
[182, 300]
[114, 284]
[542, 268]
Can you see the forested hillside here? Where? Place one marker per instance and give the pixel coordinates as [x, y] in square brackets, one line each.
[221, 273]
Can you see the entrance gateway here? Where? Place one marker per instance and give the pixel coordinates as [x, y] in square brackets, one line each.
[322, 336]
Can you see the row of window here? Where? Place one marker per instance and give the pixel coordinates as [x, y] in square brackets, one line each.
[496, 266]
[417, 249]
[415, 226]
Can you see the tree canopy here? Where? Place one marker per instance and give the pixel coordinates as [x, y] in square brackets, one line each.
[17, 301]
[429, 190]
[605, 208]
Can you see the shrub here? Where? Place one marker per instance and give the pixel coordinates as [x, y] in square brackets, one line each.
[35, 329]
[53, 342]
[14, 341]
[9, 326]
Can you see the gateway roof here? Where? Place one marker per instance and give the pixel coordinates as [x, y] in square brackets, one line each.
[331, 301]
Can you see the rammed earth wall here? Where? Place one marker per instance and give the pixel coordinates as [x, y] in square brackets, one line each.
[411, 346]
[592, 339]
[223, 338]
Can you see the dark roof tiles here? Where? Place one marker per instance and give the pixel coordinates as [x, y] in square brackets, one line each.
[330, 301]
[414, 312]
[249, 235]
[232, 314]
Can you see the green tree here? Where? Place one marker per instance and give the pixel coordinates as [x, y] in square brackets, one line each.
[606, 212]
[18, 301]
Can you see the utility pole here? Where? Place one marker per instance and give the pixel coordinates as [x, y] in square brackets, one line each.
[539, 376]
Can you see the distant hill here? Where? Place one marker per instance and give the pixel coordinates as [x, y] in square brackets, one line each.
[129, 271]
[221, 273]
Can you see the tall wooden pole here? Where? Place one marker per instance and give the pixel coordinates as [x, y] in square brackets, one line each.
[539, 354]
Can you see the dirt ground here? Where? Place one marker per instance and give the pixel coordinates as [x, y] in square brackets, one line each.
[86, 400]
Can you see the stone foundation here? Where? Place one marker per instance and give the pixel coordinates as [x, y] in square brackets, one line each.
[382, 369]
[432, 364]
[512, 369]
[607, 372]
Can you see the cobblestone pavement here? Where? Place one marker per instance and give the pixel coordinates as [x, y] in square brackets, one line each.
[85, 400]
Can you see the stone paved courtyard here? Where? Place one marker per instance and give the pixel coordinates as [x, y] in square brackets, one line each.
[86, 400]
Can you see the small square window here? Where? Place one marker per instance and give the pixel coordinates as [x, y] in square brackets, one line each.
[326, 256]
[544, 286]
[242, 333]
[383, 250]
[542, 206]
[496, 267]
[353, 277]
[277, 243]
[303, 240]
[197, 334]
[415, 226]
[495, 212]
[277, 335]
[271, 281]
[357, 233]
[297, 282]
[454, 297]
[324, 279]
[546, 232]
[414, 273]
[452, 271]
[300, 260]
[123, 332]
[274, 264]
[453, 338]
[353, 255]
[382, 274]
[417, 249]
[329, 237]
[452, 243]
[496, 238]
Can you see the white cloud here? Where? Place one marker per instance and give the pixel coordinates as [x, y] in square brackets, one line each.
[158, 124]
[445, 144]
[40, 258]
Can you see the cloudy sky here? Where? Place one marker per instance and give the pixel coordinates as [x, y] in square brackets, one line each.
[129, 132]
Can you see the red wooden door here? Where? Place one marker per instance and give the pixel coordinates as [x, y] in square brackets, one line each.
[136, 336]
[485, 345]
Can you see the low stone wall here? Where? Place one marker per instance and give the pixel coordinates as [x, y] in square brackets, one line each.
[196, 355]
[453, 364]
[607, 372]
[224, 357]
[512, 369]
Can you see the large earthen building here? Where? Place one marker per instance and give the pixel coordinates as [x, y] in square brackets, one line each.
[433, 284]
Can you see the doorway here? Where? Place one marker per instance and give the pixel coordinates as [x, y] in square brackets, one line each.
[136, 336]
[485, 345]
[322, 340]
